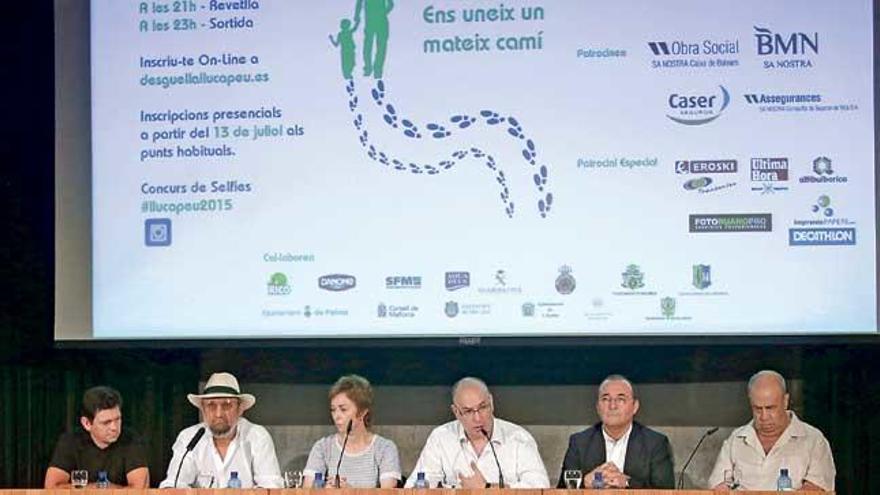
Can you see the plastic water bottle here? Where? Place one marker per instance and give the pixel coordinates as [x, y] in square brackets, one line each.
[319, 481]
[421, 482]
[598, 481]
[234, 481]
[783, 483]
[102, 482]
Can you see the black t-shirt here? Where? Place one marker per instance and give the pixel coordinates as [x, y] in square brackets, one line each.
[77, 451]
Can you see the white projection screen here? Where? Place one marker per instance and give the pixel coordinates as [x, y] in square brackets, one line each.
[283, 169]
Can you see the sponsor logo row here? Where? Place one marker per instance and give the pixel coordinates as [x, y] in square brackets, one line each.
[666, 310]
[773, 50]
[766, 47]
[632, 282]
[766, 174]
[699, 107]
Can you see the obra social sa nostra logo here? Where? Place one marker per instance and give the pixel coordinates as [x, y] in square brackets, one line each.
[697, 108]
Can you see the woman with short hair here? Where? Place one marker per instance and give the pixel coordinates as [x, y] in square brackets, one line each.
[369, 460]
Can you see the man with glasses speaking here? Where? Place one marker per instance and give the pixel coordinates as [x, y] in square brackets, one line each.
[469, 451]
[236, 453]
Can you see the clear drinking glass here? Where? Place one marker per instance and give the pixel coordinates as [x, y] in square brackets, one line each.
[573, 478]
[205, 480]
[732, 477]
[293, 479]
[79, 478]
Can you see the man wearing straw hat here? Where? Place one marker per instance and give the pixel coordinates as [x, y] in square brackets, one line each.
[232, 443]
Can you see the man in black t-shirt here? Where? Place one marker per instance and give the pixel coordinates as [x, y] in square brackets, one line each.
[102, 446]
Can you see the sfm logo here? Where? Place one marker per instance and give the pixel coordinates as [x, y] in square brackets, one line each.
[770, 43]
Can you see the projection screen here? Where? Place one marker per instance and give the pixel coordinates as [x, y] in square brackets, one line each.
[289, 169]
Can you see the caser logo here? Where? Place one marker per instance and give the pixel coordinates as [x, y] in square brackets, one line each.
[699, 108]
[337, 282]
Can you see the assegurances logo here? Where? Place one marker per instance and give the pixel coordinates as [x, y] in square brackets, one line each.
[697, 108]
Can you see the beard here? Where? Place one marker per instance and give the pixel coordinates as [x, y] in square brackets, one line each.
[222, 431]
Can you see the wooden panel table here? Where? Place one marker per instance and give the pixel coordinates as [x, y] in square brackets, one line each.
[354, 491]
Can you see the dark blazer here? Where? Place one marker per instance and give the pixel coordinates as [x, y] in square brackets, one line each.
[648, 456]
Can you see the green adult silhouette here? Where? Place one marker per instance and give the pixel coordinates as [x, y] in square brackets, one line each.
[375, 30]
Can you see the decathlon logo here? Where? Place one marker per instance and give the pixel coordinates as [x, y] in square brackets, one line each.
[822, 237]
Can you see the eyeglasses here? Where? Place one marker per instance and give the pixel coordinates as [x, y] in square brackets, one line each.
[619, 400]
[225, 405]
[479, 410]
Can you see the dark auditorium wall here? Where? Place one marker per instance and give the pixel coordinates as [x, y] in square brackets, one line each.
[40, 385]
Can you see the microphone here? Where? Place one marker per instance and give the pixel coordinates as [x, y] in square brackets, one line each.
[500, 474]
[693, 453]
[189, 447]
[344, 442]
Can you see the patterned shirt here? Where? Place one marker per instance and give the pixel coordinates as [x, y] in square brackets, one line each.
[365, 469]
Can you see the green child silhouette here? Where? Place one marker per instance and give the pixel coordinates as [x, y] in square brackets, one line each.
[345, 41]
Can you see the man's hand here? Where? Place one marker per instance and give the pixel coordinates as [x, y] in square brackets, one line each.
[721, 487]
[612, 476]
[475, 481]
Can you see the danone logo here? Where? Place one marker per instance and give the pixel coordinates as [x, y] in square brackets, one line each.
[337, 282]
[697, 108]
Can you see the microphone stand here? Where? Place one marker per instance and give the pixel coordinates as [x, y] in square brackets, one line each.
[498, 464]
[192, 444]
[344, 443]
[693, 453]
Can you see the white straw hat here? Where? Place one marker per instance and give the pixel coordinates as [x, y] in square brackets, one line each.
[222, 385]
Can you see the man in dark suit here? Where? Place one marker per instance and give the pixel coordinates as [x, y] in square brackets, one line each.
[625, 452]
